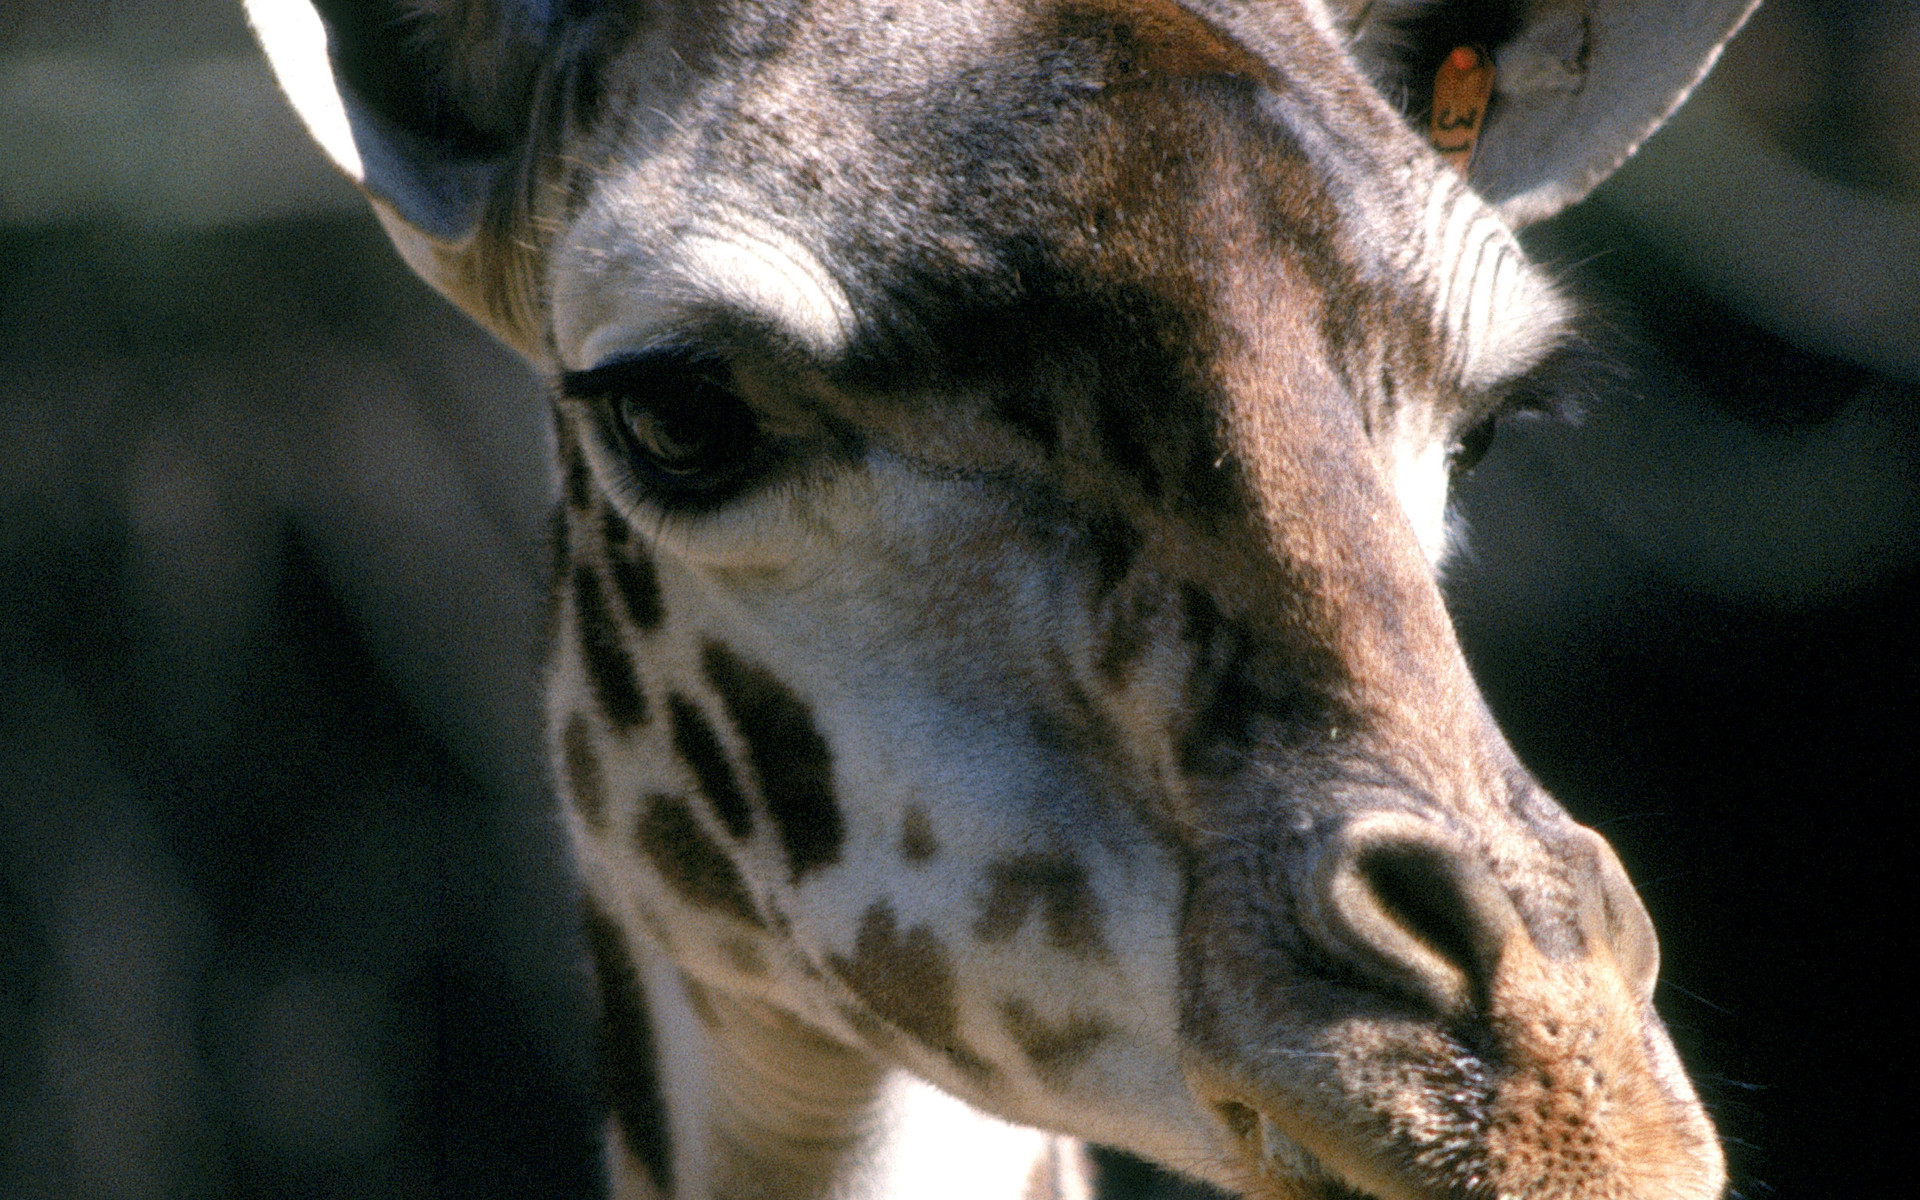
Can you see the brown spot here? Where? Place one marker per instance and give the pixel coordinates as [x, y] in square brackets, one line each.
[692, 865]
[633, 575]
[743, 955]
[559, 564]
[700, 748]
[1053, 1049]
[1059, 885]
[584, 783]
[573, 465]
[871, 1029]
[1031, 412]
[1127, 633]
[577, 187]
[700, 1002]
[655, 929]
[1075, 724]
[916, 836]
[609, 667]
[629, 1072]
[788, 754]
[615, 531]
[1226, 699]
[1115, 544]
[907, 979]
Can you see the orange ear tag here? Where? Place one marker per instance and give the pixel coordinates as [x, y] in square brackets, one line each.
[1461, 90]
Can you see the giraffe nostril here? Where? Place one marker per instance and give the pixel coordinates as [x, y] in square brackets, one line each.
[1414, 889]
[1397, 898]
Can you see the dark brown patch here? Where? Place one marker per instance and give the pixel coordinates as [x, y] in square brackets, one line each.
[1115, 543]
[700, 748]
[743, 955]
[609, 667]
[614, 530]
[790, 757]
[559, 565]
[584, 783]
[907, 979]
[1054, 1050]
[633, 575]
[573, 465]
[1124, 448]
[1031, 411]
[871, 1029]
[1128, 632]
[686, 857]
[629, 1073]
[1075, 724]
[1224, 696]
[916, 836]
[700, 1002]
[577, 187]
[1058, 884]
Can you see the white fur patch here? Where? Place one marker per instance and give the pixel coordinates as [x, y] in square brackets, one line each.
[939, 1148]
[764, 272]
[1421, 476]
[1501, 316]
[739, 264]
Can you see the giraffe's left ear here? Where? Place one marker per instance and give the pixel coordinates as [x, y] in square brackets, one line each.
[425, 104]
[1577, 84]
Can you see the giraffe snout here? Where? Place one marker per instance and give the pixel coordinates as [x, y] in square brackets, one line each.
[1449, 1014]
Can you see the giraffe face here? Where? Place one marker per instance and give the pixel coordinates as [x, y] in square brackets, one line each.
[1003, 451]
[1017, 651]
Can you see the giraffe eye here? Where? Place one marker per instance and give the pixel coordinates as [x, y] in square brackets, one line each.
[683, 431]
[693, 434]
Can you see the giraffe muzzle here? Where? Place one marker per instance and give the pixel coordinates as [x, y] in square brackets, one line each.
[1428, 1017]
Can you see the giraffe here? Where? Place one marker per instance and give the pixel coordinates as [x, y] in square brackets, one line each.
[1001, 696]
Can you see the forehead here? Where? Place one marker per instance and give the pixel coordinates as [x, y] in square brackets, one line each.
[936, 188]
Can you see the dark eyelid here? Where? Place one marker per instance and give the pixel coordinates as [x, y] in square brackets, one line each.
[636, 370]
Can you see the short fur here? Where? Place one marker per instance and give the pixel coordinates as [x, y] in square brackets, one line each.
[1003, 450]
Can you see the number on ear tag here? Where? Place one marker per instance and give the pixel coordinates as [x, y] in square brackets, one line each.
[1461, 90]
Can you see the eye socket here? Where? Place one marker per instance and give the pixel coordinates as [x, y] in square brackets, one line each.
[680, 425]
[1472, 447]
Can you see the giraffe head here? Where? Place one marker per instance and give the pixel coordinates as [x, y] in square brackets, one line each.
[1003, 451]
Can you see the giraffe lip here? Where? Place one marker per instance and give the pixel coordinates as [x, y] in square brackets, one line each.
[1290, 1163]
[1280, 1154]
[1282, 1160]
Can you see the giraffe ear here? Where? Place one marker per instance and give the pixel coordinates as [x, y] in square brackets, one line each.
[426, 104]
[1577, 84]
[422, 102]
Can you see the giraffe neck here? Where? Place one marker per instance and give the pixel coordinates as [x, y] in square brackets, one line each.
[747, 1101]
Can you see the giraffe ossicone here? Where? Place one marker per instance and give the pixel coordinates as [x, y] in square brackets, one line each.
[1001, 697]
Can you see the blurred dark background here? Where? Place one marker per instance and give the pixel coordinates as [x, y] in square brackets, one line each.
[282, 910]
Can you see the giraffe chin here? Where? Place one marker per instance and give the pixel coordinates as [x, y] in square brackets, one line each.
[1276, 1166]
